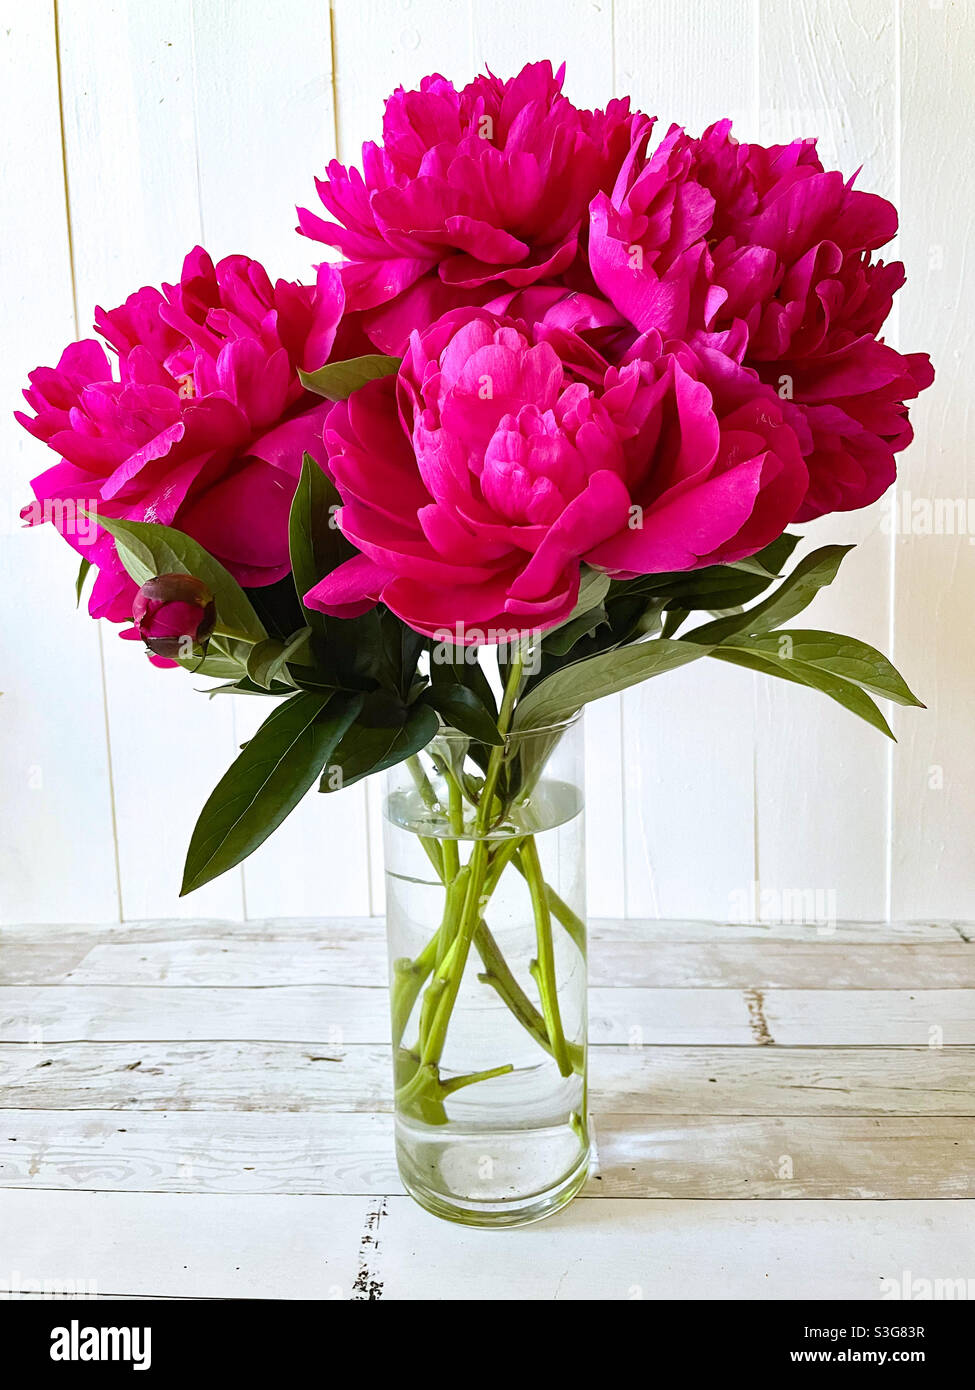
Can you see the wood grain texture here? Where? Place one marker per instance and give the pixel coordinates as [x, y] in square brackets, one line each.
[785, 1157]
[339, 1014]
[355, 954]
[352, 1154]
[624, 1079]
[812, 1138]
[79, 937]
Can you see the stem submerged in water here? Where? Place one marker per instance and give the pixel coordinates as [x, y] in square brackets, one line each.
[438, 971]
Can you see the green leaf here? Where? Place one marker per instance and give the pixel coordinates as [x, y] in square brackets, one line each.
[79, 583]
[317, 545]
[588, 614]
[850, 696]
[568, 689]
[215, 663]
[449, 666]
[793, 595]
[594, 585]
[399, 651]
[573, 630]
[767, 563]
[716, 586]
[147, 549]
[247, 687]
[337, 380]
[365, 750]
[267, 659]
[265, 783]
[845, 657]
[459, 707]
[675, 619]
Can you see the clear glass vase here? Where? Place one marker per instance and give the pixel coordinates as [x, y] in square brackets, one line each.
[485, 892]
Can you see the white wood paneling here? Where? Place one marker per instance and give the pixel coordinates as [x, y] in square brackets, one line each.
[688, 61]
[57, 850]
[265, 125]
[578, 33]
[204, 119]
[934, 774]
[388, 44]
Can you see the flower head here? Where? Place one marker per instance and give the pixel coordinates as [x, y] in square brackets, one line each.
[471, 193]
[506, 455]
[204, 426]
[761, 252]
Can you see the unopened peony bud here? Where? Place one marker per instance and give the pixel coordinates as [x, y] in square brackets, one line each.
[172, 613]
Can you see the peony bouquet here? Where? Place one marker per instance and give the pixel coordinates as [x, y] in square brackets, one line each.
[539, 435]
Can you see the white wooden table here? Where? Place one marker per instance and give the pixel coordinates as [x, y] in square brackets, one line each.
[197, 1109]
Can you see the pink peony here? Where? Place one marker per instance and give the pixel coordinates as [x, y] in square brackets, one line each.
[205, 428]
[471, 193]
[765, 254]
[504, 456]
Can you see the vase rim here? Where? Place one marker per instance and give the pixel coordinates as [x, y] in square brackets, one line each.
[557, 726]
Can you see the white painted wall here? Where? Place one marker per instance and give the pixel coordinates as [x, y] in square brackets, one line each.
[130, 130]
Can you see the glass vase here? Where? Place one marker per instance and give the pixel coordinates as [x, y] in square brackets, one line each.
[485, 892]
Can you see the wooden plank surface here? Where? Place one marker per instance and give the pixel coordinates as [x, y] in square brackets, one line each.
[769, 1104]
[661, 965]
[245, 1246]
[353, 1014]
[280, 1077]
[352, 1154]
[353, 951]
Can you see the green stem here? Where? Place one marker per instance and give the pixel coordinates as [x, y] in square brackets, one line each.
[456, 1082]
[495, 761]
[409, 977]
[451, 852]
[561, 911]
[498, 975]
[441, 993]
[431, 846]
[453, 908]
[543, 967]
